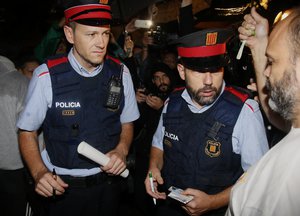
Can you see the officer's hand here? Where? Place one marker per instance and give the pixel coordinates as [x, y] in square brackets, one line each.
[154, 102]
[116, 164]
[254, 29]
[47, 184]
[140, 95]
[157, 180]
[199, 205]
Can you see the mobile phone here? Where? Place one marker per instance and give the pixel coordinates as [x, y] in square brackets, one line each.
[142, 23]
[114, 93]
[175, 193]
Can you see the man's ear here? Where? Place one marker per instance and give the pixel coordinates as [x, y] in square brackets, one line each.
[181, 71]
[69, 33]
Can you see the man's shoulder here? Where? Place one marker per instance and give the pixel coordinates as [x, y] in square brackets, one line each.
[41, 71]
[252, 105]
[239, 93]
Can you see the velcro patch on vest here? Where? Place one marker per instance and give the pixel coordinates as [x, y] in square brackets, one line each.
[68, 112]
[213, 148]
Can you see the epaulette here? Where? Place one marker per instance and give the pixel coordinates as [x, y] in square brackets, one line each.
[240, 93]
[54, 61]
[113, 59]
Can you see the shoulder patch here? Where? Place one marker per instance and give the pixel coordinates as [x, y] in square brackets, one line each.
[43, 73]
[250, 107]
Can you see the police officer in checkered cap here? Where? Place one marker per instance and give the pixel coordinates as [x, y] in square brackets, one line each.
[209, 133]
[83, 96]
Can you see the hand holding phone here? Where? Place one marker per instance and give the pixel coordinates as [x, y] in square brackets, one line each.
[142, 23]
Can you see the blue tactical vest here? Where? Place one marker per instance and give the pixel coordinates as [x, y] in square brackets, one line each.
[78, 113]
[198, 146]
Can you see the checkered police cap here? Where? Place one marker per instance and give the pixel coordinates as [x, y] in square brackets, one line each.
[204, 50]
[88, 12]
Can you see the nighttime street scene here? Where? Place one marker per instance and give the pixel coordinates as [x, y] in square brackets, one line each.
[150, 108]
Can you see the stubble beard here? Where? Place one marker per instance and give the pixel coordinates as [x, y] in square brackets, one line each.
[202, 101]
[282, 95]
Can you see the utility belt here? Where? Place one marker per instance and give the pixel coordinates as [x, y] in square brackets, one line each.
[88, 181]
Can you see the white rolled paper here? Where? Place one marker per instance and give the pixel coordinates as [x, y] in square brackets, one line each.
[90, 152]
[240, 52]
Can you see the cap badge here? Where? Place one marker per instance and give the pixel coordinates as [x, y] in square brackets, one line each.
[103, 1]
[211, 38]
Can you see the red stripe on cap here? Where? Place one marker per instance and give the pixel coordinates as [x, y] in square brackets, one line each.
[202, 51]
[89, 15]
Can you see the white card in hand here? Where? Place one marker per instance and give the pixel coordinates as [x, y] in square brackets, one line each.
[176, 194]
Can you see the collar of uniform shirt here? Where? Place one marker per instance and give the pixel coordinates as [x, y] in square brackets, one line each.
[81, 70]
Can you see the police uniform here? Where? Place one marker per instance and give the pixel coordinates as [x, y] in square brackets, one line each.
[207, 148]
[69, 103]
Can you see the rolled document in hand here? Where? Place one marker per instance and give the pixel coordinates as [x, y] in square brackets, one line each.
[90, 152]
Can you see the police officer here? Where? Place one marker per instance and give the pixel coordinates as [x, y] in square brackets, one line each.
[209, 133]
[84, 96]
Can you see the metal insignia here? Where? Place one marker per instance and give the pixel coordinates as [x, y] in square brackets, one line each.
[213, 148]
[211, 38]
[103, 1]
[68, 112]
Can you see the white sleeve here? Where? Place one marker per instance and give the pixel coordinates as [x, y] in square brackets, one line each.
[130, 111]
[249, 137]
[157, 140]
[38, 99]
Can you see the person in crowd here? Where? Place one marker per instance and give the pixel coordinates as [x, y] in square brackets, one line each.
[84, 96]
[159, 84]
[27, 64]
[150, 101]
[271, 186]
[130, 60]
[208, 133]
[54, 42]
[255, 30]
[13, 181]
[169, 57]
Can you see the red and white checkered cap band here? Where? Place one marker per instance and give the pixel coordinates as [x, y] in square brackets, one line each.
[90, 11]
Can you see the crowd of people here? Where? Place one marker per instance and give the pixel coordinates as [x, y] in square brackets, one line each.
[168, 112]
